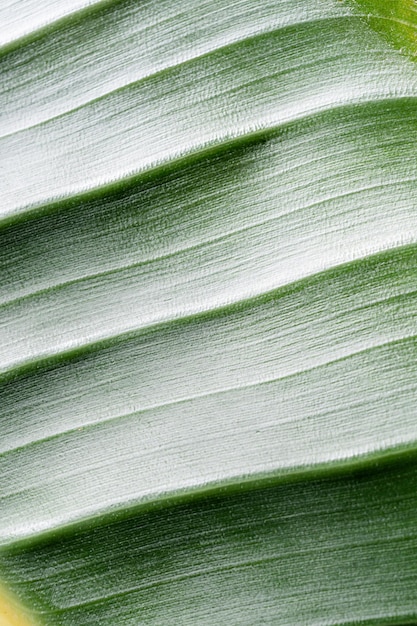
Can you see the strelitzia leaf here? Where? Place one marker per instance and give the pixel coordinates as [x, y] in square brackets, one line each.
[208, 246]
[396, 21]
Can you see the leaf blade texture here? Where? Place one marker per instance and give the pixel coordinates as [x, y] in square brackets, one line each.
[208, 312]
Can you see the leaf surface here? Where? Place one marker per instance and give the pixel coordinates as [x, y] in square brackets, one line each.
[208, 245]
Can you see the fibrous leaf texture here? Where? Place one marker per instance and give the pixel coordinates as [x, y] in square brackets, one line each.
[208, 270]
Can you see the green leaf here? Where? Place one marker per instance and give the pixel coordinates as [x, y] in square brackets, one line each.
[208, 246]
[395, 20]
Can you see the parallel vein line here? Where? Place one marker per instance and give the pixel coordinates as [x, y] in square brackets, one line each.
[198, 246]
[243, 564]
[49, 27]
[180, 64]
[156, 169]
[47, 359]
[219, 392]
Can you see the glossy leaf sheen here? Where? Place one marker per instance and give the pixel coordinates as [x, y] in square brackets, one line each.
[208, 246]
